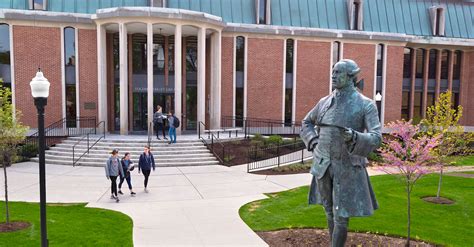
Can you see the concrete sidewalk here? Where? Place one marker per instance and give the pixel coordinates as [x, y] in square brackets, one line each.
[186, 206]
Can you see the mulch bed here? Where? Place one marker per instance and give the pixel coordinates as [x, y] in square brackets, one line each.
[273, 172]
[440, 200]
[14, 226]
[318, 237]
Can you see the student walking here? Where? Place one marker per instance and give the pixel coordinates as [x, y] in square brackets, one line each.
[173, 124]
[158, 122]
[127, 166]
[145, 164]
[113, 169]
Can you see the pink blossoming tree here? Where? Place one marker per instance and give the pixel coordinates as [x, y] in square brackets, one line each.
[408, 155]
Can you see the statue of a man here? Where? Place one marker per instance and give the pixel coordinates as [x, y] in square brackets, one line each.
[341, 130]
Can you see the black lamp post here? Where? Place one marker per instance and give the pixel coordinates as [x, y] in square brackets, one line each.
[40, 92]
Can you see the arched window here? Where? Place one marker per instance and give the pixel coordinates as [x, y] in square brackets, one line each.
[70, 75]
[5, 63]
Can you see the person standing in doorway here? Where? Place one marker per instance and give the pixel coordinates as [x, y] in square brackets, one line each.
[158, 122]
[173, 124]
[145, 164]
[113, 169]
[127, 166]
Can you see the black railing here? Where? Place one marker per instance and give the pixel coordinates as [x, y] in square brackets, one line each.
[60, 130]
[261, 126]
[275, 155]
[87, 137]
[213, 144]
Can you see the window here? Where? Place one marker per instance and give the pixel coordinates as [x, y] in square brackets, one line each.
[456, 78]
[407, 63]
[444, 64]
[379, 79]
[406, 91]
[38, 4]
[5, 64]
[70, 75]
[239, 78]
[289, 81]
[355, 14]
[263, 8]
[433, 57]
[336, 52]
[420, 58]
[437, 20]
[158, 3]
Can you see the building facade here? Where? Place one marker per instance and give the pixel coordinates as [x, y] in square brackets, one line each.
[203, 60]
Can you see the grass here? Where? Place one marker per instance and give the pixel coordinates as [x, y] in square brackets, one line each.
[450, 225]
[467, 160]
[68, 225]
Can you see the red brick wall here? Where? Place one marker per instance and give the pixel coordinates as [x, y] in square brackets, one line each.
[265, 78]
[88, 91]
[467, 88]
[393, 83]
[312, 78]
[227, 71]
[37, 46]
[364, 56]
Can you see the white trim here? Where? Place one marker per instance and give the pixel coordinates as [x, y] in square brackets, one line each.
[285, 42]
[384, 81]
[63, 75]
[78, 102]
[375, 72]
[149, 79]
[201, 77]
[178, 59]
[123, 57]
[331, 60]
[12, 68]
[293, 92]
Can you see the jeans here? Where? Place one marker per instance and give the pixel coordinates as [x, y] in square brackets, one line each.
[172, 134]
[129, 182]
[146, 173]
[113, 185]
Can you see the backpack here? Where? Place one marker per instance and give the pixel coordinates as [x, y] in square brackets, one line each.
[175, 122]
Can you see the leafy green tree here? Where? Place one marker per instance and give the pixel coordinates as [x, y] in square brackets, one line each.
[442, 118]
[12, 132]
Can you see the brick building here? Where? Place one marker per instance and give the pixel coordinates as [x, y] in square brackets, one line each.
[117, 59]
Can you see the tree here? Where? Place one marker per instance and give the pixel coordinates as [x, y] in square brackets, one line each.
[409, 155]
[12, 132]
[443, 119]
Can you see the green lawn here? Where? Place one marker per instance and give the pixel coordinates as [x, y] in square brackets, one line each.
[467, 160]
[68, 225]
[451, 225]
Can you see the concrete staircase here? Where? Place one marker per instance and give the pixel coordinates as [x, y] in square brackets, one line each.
[183, 153]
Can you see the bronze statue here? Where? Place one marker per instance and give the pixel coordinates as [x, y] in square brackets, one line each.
[341, 130]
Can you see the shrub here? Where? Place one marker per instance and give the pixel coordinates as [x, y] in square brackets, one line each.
[28, 150]
[274, 140]
[375, 157]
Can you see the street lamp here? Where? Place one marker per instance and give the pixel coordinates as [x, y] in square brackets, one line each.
[40, 92]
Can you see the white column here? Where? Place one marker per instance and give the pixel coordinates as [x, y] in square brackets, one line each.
[12, 70]
[149, 54]
[201, 80]
[63, 73]
[78, 96]
[177, 76]
[123, 79]
[102, 75]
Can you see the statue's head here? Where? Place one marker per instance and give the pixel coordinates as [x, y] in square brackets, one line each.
[344, 74]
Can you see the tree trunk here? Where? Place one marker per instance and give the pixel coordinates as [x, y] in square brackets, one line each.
[6, 161]
[439, 183]
[409, 216]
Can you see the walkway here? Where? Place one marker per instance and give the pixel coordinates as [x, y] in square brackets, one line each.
[186, 206]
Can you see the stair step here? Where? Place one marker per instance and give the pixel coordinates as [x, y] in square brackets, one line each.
[133, 154]
[101, 164]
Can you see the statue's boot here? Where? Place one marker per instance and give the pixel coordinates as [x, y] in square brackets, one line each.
[339, 235]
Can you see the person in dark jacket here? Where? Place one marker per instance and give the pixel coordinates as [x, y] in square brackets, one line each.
[145, 164]
[127, 166]
[113, 169]
[158, 119]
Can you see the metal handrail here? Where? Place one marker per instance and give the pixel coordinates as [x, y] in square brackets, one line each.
[214, 139]
[74, 161]
[268, 124]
